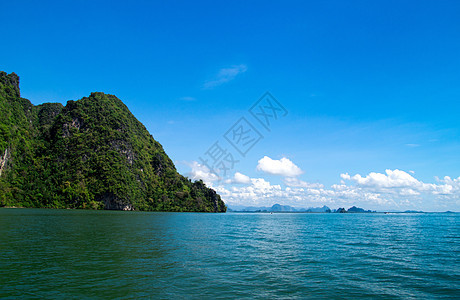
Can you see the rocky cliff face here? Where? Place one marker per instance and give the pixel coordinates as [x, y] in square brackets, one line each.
[91, 153]
[3, 161]
[11, 80]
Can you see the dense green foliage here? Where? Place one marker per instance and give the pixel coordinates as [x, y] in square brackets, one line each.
[92, 153]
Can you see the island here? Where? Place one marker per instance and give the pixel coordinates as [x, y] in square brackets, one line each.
[278, 208]
[89, 154]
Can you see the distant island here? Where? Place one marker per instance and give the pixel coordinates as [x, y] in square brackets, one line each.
[278, 208]
[354, 209]
[90, 154]
[290, 209]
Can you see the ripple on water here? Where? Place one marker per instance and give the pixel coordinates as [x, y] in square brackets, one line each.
[86, 254]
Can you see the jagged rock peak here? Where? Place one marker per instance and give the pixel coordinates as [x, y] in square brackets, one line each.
[10, 79]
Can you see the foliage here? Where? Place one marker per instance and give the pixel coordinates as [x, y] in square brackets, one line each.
[92, 153]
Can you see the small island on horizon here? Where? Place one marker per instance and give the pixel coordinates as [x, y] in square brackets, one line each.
[278, 208]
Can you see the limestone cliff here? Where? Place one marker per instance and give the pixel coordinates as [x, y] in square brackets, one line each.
[90, 153]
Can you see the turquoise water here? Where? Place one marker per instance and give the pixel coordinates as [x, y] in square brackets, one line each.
[109, 254]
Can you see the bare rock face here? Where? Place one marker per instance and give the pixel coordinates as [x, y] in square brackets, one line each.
[3, 160]
[111, 202]
[67, 127]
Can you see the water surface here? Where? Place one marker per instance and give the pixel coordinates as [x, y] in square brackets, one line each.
[111, 254]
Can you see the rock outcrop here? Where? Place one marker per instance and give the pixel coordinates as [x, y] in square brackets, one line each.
[3, 161]
[91, 153]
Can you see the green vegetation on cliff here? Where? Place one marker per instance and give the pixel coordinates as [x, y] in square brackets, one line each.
[92, 153]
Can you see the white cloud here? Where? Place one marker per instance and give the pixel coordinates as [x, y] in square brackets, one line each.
[225, 75]
[404, 184]
[345, 176]
[395, 194]
[295, 182]
[239, 178]
[450, 186]
[201, 172]
[393, 189]
[283, 167]
[392, 179]
[258, 192]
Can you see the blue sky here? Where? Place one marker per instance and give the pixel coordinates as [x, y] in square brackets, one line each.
[371, 89]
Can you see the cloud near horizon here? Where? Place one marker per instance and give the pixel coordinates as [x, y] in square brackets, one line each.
[239, 178]
[283, 167]
[394, 189]
[295, 182]
[402, 183]
[225, 75]
[202, 172]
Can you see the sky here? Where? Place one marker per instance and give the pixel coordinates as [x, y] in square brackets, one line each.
[303, 103]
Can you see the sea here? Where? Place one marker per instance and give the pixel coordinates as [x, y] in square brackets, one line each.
[84, 254]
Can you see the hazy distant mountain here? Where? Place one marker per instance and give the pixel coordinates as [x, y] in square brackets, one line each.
[282, 208]
[355, 209]
[319, 209]
[287, 208]
[278, 208]
[352, 209]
